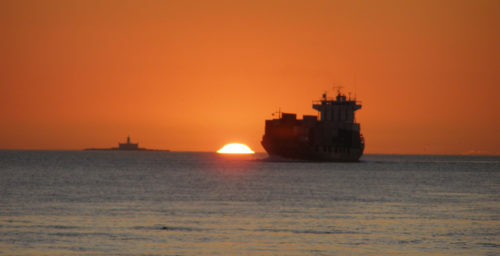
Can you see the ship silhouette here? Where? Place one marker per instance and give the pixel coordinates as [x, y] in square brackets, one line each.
[334, 137]
[127, 146]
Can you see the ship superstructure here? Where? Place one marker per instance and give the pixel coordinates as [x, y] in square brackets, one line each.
[335, 136]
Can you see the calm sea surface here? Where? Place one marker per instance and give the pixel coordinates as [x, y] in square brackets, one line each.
[169, 203]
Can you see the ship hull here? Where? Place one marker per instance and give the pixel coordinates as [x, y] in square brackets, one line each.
[305, 152]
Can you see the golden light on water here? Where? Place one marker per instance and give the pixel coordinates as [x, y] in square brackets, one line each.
[235, 148]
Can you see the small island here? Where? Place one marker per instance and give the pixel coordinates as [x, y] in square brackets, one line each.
[128, 146]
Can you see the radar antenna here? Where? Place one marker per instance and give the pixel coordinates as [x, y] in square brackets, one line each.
[339, 89]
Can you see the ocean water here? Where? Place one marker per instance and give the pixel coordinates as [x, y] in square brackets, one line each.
[173, 203]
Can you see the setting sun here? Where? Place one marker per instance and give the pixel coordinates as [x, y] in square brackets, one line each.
[235, 148]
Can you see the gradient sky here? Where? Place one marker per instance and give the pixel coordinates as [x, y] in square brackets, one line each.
[194, 75]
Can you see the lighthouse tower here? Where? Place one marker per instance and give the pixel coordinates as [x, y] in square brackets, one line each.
[128, 145]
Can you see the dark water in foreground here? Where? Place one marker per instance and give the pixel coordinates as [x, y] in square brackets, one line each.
[167, 203]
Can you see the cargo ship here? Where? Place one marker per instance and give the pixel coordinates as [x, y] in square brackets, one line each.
[333, 135]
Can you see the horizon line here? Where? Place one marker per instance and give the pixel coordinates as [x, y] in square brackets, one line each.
[256, 152]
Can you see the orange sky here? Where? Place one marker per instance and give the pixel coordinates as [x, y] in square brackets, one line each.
[194, 75]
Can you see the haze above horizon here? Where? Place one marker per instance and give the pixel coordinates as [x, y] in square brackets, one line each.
[195, 75]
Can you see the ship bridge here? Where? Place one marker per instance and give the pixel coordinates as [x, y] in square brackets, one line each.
[338, 110]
